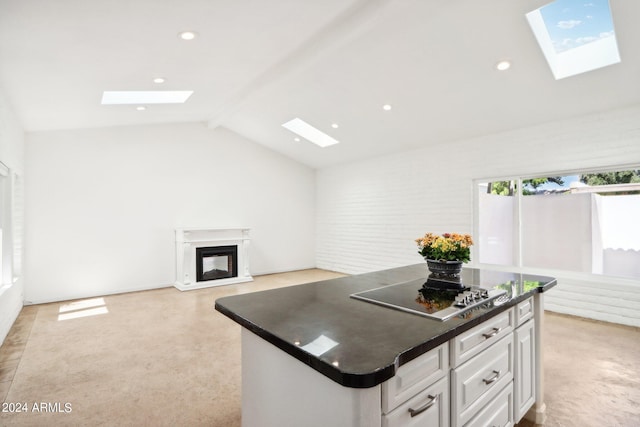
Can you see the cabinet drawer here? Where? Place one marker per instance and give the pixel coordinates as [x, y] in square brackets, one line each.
[498, 413]
[414, 376]
[429, 408]
[473, 341]
[524, 311]
[477, 381]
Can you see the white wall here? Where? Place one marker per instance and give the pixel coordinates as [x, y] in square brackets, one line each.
[12, 155]
[103, 205]
[369, 212]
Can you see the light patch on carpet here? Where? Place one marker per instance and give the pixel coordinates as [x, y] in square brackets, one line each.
[83, 308]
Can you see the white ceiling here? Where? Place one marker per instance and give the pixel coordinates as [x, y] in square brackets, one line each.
[259, 63]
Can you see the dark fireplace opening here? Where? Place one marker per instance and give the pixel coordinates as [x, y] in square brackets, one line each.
[216, 262]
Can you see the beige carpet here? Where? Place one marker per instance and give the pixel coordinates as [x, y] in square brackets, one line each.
[157, 358]
[166, 358]
[592, 373]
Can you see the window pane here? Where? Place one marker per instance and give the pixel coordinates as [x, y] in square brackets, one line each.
[584, 223]
[497, 228]
[556, 231]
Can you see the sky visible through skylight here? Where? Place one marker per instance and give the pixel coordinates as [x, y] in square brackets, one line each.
[573, 23]
[575, 36]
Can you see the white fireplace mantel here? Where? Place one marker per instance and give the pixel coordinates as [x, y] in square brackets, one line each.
[189, 239]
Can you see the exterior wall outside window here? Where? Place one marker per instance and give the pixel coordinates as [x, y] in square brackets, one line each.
[584, 232]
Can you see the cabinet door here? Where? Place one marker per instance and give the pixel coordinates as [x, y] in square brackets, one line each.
[476, 382]
[524, 311]
[524, 379]
[497, 413]
[413, 377]
[430, 408]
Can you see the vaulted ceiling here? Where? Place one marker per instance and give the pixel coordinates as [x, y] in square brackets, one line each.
[259, 63]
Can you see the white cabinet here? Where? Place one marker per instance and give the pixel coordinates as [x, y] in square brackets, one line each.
[468, 381]
[525, 355]
[475, 340]
[497, 413]
[489, 370]
[418, 395]
[428, 408]
[524, 311]
[486, 376]
[415, 376]
[475, 383]
[281, 391]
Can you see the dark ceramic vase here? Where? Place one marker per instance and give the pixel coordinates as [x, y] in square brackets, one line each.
[444, 269]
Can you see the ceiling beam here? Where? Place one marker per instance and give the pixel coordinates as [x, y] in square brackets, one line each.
[357, 19]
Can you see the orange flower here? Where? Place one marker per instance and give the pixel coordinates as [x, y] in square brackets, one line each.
[448, 246]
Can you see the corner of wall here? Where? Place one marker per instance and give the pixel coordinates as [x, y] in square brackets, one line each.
[11, 298]
[12, 154]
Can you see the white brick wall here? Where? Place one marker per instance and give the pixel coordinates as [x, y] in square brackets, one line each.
[369, 212]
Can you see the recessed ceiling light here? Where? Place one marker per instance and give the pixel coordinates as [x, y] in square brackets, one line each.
[141, 108]
[159, 80]
[503, 65]
[334, 125]
[308, 132]
[187, 35]
[296, 139]
[386, 107]
[145, 97]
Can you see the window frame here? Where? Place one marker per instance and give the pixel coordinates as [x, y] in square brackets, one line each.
[518, 265]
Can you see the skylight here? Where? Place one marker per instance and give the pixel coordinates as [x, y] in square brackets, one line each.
[146, 97]
[575, 36]
[308, 132]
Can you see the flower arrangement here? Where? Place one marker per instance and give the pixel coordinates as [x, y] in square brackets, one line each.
[446, 247]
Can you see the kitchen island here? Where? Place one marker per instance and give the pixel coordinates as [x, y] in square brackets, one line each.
[312, 355]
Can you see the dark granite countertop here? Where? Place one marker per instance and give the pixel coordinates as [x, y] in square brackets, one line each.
[372, 341]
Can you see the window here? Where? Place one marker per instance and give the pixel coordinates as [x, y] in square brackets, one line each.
[5, 223]
[582, 222]
[11, 226]
[17, 219]
[575, 36]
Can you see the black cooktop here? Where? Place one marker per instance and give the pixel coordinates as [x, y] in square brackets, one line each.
[435, 299]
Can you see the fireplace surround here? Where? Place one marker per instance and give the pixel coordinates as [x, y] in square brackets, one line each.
[208, 257]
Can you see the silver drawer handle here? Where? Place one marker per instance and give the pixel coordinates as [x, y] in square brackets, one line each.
[493, 333]
[429, 404]
[493, 378]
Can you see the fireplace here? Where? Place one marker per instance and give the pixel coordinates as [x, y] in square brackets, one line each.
[216, 262]
[211, 257]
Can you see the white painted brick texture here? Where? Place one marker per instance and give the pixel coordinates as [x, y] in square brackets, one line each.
[369, 212]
